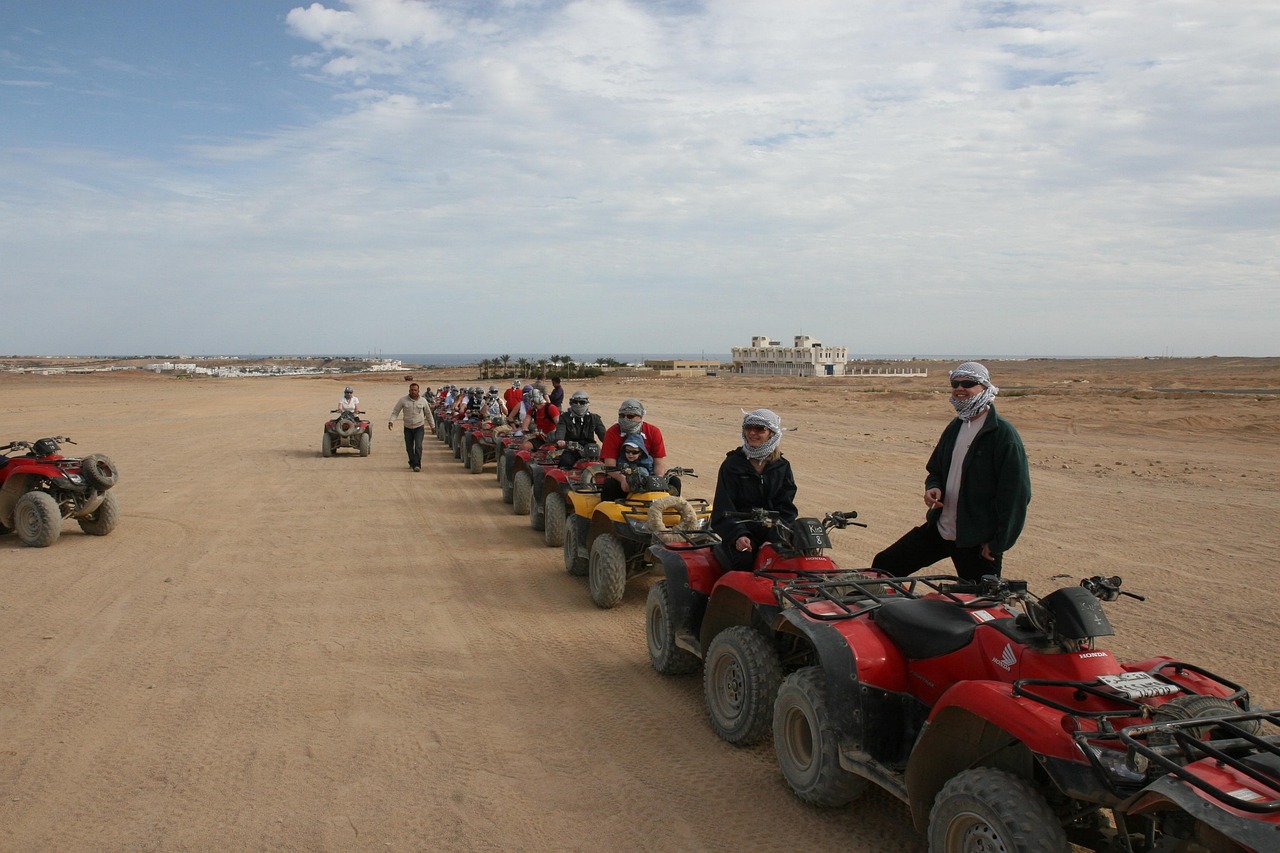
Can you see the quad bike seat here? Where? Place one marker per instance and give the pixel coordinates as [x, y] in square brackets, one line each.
[925, 627]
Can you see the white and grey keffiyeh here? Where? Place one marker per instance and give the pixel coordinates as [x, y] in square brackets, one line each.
[768, 420]
[973, 406]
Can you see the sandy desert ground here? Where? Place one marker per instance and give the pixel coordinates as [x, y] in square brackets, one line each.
[277, 651]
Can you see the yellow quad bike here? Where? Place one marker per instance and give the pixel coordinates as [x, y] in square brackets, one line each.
[609, 540]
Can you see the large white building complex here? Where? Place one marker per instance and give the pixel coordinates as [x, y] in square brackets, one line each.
[809, 357]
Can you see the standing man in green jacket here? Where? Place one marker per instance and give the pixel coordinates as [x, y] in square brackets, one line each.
[977, 489]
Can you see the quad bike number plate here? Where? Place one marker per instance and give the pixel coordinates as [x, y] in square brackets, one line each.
[1138, 685]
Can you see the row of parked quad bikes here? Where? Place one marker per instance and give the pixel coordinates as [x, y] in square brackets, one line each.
[992, 713]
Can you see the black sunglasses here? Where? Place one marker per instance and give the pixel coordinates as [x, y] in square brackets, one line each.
[963, 383]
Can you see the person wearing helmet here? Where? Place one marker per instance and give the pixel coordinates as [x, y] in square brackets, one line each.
[349, 402]
[541, 418]
[752, 476]
[417, 419]
[630, 422]
[579, 426]
[492, 408]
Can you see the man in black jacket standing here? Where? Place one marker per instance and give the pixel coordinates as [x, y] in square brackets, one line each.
[977, 489]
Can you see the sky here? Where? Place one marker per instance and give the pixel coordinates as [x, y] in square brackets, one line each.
[520, 176]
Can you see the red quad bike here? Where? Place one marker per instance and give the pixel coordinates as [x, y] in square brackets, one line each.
[346, 430]
[41, 488]
[483, 446]
[521, 478]
[731, 620]
[994, 717]
[551, 487]
[508, 446]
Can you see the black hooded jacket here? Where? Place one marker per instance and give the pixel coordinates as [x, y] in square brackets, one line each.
[740, 489]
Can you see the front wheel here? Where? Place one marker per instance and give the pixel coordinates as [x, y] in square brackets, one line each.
[805, 741]
[740, 681]
[102, 520]
[504, 480]
[660, 635]
[608, 570]
[537, 520]
[522, 493]
[365, 444]
[553, 519]
[326, 445]
[37, 520]
[987, 809]
[464, 449]
[477, 459]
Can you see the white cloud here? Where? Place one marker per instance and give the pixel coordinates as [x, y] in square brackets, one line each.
[914, 177]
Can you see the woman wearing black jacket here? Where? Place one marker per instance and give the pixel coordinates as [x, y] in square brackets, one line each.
[753, 476]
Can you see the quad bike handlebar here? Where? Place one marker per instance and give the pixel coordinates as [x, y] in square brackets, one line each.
[30, 445]
[772, 518]
[346, 412]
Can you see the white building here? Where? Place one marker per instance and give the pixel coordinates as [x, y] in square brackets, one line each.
[808, 357]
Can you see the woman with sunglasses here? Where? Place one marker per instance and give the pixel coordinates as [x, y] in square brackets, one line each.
[977, 489]
[752, 476]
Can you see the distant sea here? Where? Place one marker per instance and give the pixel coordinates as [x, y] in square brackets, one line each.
[439, 359]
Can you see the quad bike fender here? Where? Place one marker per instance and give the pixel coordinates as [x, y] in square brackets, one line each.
[15, 487]
[686, 596]
[839, 665]
[729, 606]
[582, 503]
[981, 723]
[1171, 794]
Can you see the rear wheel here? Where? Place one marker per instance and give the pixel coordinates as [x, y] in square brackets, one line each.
[660, 635]
[537, 520]
[608, 570]
[103, 520]
[326, 445]
[574, 563]
[740, 681]
[36, 519]
[365, 443]
[806, 744]
[464, 449]
[99, 471]
[990, 810]
[477, 459]
[504, 480]
[553, 519]
[522, 493]
[455, 443]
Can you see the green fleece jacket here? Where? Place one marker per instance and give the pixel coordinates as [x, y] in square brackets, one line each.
[995, 485]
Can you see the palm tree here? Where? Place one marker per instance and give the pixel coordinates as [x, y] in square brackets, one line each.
[523, 364]
[505, 359]
[484, 368]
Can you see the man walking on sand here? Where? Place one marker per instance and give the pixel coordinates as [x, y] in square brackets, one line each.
[417, 417]
[977, 489]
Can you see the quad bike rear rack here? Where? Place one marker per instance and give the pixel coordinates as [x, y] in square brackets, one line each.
[1253, 756]
[855, 595]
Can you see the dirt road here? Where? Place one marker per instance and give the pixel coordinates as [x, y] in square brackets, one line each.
[277, 651]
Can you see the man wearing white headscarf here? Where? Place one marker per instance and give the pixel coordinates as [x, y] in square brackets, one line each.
[977, 489]
[630, 422]
[752, 476]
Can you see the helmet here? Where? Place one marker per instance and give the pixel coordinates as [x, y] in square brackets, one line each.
[515, 383]
[493, 389]
[348, 390]
[631, 406]
[579, 397]
[536, 397]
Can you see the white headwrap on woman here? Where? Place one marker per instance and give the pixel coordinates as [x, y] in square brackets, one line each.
[768, 420]
[973, 406]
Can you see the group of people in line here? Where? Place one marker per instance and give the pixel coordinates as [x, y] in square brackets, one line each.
[976, 489]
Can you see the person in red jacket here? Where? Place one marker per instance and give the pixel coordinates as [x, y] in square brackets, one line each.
[541, 420]
[630, 422]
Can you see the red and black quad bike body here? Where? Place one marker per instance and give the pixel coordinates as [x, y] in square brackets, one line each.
[483, 445]
[508, 444]
[729, 623]
[608, 541]
[348, 429]
[41, 487]
[444, 422]
[992, 714]
[551, 486]
[460, 440]
[527, 470]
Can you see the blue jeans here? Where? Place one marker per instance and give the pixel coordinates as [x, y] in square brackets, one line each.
[413, 445]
